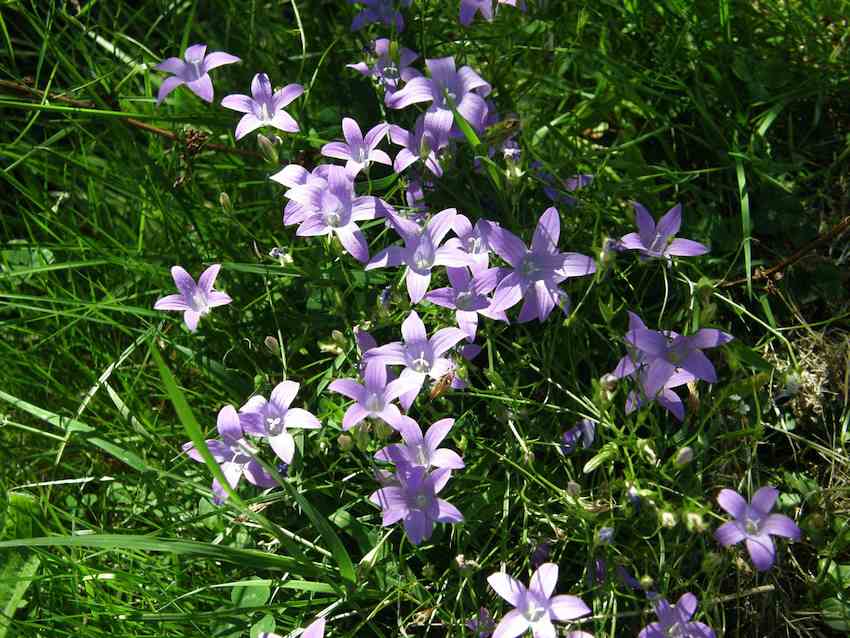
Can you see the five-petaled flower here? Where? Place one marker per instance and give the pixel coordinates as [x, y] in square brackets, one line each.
[421, 252]
[754, 524]
[535, 273]
[374, 399]
[430, 135]
[193, 71]
[391, 65]
[657, 241]
[536, 608]
[265, 107]
[359, 150]
[195, 300]
[676, 621]
[467, 296]
[413, 498]
[422, 451]
[276, 417]
[422, 357]
[234, 454]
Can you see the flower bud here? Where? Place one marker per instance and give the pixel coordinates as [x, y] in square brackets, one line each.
[668, 519]
[267, 149]
[684, 456]
[647, 451]
[272, 344]
[345, 442]
[608, 382]
[226, 204]
[695, 522]
[647, 583]
[605, 535]
[339, 338]
[573, 489]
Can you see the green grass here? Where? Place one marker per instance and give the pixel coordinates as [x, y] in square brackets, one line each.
[740, 110]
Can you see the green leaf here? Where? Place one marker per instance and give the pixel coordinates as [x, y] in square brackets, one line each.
[836, 613]
[251, 594]
[15, 578]
[266, 624]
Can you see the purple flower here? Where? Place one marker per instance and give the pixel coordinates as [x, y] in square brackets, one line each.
[392, 64]
[536, 608]
[467, 297]
[379, 11]
[374, 399]
[675, 621]
[664, 360]
[554, 188]
[276, 417]
[422, 357]
[754, 524]
[195, 300]
[296, 175]
[414, 500]
[472, 240]
[335, 209]
[193, 71]
[422, 451]
[468, 9]
[359, 151]
[585, 432]
[464, 89]
[430, 135]
[482, 624]
[540, 554]
[265, 108]
[233, 453]
[421, 252]
[315, 629]
[536, 272]
[657, 241]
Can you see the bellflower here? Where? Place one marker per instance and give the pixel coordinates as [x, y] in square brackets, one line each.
[535, 607]
[554, 187]
[422, 357]
[379, 11]
[585, 432]
[430, 135]
[472, 240]
[657, 241]
[358, 150]
[675, 621]
[193, 71]
[265, 107]
[468, 9]
[482, 624]
[537, 272]
[337, 210]
[391, 64]
[463, 88]
[233, 453]
[374, 399]
[421, 252]
[467, 297]
[414, 500]
[315, 629]
[421, 451]
[195, 300]
[754, 524]
[296, 175]
[276, 417]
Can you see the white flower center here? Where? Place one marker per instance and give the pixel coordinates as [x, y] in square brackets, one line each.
[374, 403]
[361, 156]
[264, 113]
[199, 302]
[529, 268]
[474, 245]
[197, 68]
[420, 501]
[422, 457]
[333, 211]
[676, 630]
[391, 72]
[533, 611]
[751, 526]
[274, 425]
[423, 256]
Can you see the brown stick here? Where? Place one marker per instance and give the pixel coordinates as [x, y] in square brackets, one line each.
[760, 273]
[150, 128]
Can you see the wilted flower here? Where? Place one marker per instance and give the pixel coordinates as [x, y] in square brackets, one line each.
[193, 71]
[195, 300]
[414, 500]
[537, 272]
[657, 241]
[276, 417]
[264, 108]
[675, 621]
[358, 150]
[233, 453]
[585, 432]
[421, 356]
[754, 524]
[535, 607]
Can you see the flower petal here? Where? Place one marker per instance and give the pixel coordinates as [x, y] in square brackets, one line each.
[732, 502]
[508, 588]
[284, 446]
[781, 525]
[765, 498]
[762, 551]
[172, 302]
[543, 580]
[565, 608]
[512, 625]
